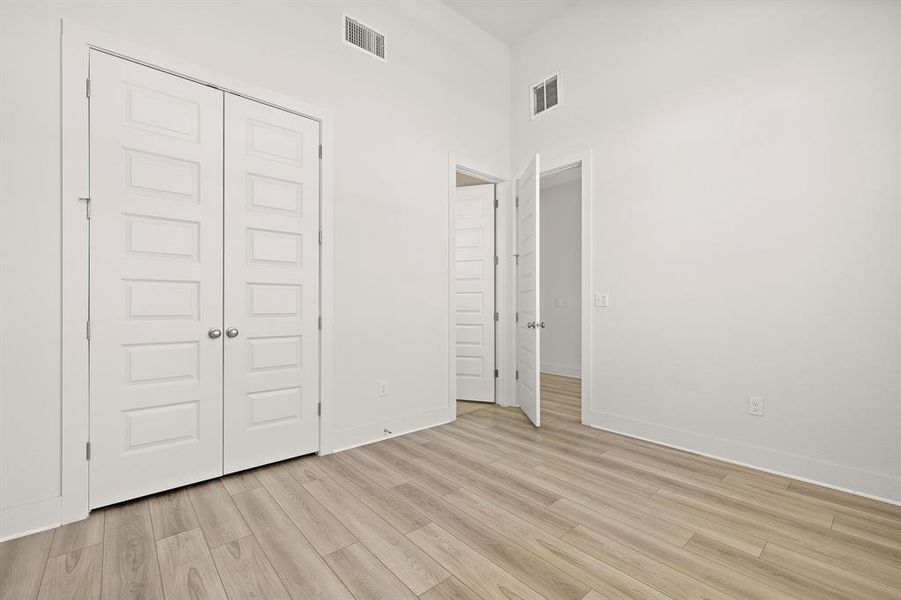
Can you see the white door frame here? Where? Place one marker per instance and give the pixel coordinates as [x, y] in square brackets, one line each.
[585, 159]
[455, 165]
[76, 43]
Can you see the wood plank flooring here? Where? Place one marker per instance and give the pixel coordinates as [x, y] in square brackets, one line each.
[485, 507]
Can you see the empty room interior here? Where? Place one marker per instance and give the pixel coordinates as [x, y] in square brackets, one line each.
[450, 299]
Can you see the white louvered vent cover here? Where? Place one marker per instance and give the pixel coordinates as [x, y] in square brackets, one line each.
[544, 96]
[363, 37]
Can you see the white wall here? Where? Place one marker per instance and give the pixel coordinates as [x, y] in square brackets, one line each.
[561, 273]
[395, 124]
[747, 223]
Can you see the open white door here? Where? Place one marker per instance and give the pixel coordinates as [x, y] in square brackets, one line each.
[156, 281]
[528, 320]
[271, 284]
[474, 292]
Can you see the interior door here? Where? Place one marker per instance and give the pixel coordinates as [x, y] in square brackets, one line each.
[156, 280]
[528, 319]
[474, 292]
[271, 284]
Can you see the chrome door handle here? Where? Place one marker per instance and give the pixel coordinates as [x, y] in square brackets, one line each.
[531, 324]
[231, 332]
[541, 325]
[214, 333]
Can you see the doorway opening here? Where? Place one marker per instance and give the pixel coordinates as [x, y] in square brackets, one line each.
[474, 289]
[560, 290]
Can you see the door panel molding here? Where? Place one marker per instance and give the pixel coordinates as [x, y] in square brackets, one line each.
[271, 260]
[474, 292]
[156, 231]
[76, 43]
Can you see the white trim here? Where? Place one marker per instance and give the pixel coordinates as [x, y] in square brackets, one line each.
[876, 486]
[453, 165]
[76, 43]
[327, 284]
[477, 174]
[32, 517]
[585, 159]
[74, 244]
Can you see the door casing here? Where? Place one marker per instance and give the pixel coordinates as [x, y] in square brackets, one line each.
[502, 194]
[585, 160]
[76, 43]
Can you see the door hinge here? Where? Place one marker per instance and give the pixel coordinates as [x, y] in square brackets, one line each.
[319, 409]
[87, 450]
[320, 238]
[517, 317]
[320, 323]
[87, 207]
[87, 329]
[497, 316]
[517, 202]
[497, 203]
[497, 261]
[87, 88]
[517, 373]
[516, 256]
[496, 373]
[320, 150]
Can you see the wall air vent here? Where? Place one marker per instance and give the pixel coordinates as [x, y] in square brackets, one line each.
[544, 96]
[364, 38]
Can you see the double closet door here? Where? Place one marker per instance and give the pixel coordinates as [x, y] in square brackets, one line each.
[204, 282]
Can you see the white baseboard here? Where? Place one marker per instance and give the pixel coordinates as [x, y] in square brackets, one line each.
[25, 519]
[18, 521]
[877, 486]
[344, 439]
[561, 370]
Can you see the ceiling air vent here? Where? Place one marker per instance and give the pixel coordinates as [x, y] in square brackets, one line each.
[364, 38]
[544, 96]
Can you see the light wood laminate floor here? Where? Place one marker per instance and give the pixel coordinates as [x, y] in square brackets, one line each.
[486, 507]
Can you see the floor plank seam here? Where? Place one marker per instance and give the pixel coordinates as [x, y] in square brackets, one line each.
[553, 511]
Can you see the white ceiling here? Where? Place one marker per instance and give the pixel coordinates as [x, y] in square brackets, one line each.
[509, 20]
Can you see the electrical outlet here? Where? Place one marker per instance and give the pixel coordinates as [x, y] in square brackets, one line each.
[382, 388]
[755, 406]
[602, 300]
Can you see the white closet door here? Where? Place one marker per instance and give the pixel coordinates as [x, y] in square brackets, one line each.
[271, 284]
[156, 280]
[528, 325]
[474, 292]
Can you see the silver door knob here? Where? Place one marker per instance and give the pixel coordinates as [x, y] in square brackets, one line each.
[541, 325]
[214, 333]
[231, 332]
[531, 324]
